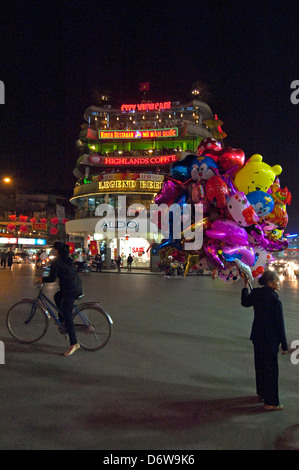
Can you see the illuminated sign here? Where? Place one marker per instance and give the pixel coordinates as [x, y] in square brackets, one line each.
[32, 241]
[139, 134]
[123, 161]
[166, 159]
[23, 241]
[130, 185]
[39, 226]
[12, 241]
[146, 106]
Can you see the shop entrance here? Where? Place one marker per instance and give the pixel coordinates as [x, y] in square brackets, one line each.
[137, 247]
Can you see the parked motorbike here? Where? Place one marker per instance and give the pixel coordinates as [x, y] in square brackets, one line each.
[85, 268]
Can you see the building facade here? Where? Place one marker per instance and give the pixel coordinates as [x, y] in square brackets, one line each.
[30, 220]
[125, 154]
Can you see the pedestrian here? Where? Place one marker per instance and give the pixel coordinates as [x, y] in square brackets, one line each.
[268, 332]
[3, 258]
[80, 261]
[129, 262]
[9, 258]
[70, 288]
[118, 262]
[98, 262]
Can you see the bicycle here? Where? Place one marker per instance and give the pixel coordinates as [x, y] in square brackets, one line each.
[28, 321]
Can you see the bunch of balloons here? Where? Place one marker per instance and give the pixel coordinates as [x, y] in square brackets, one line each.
[244, 211]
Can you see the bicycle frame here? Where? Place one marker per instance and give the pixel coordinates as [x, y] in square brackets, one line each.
[47, 306]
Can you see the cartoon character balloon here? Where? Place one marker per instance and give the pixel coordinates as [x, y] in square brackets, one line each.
[244, 211]
[261, 202]
[256, 175]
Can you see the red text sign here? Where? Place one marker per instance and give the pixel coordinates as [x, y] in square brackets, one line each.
[129, 161]
[146, 106]
[139, 134]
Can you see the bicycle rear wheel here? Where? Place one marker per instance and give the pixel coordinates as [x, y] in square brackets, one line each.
[26, 321]
[92, 326]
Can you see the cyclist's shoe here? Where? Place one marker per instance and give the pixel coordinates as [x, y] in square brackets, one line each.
[72, 349]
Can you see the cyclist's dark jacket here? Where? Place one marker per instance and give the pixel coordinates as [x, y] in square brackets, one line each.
[69, 281]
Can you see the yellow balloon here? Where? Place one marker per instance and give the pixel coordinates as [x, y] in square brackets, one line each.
[256, 175]
[191, 261]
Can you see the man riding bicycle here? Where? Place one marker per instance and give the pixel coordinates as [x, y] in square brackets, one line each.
[70, 288]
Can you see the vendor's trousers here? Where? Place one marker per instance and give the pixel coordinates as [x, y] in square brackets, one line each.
[266, 373]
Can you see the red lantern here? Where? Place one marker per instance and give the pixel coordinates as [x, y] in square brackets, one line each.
[12, 217]
[23, 218]
[11, 227]
[54, 231]
[54, 221]
[23, 228]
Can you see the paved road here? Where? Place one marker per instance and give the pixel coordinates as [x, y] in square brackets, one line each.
[176, 374]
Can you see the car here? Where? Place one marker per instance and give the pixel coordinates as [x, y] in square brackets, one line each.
[21, 258]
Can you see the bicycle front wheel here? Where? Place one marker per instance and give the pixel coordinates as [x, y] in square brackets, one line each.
[26, 321]
[92, 326]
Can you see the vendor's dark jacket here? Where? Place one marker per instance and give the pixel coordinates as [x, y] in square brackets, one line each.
[268, 324]
[69, 281]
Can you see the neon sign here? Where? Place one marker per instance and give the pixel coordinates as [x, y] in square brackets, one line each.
[146, 106]
[130, 185]
[161, 160]
[139, 134]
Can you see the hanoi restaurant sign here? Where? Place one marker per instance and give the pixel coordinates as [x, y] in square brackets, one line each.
[127, 161]
[139, 134]
[159, 106]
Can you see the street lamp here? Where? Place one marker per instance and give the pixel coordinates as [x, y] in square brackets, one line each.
[6, 180]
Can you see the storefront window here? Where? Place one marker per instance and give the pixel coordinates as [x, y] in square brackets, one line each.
[137, 247]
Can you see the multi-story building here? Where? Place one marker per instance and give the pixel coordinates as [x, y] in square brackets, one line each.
[127, 152]
[30, 220]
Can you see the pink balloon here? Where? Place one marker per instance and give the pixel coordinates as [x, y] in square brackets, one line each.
[171, 189]
[228, 231]
[245, 254]
[211, 248]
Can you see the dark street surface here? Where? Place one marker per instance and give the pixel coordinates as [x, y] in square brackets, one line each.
[177, 373]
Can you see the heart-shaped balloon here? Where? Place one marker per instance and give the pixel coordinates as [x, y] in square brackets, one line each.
[230, 157]
[227, 157]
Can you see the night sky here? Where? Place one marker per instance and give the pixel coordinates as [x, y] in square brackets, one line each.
[55, 56]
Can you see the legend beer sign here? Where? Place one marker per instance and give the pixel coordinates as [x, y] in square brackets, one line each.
[139, 134]
[130, 186]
